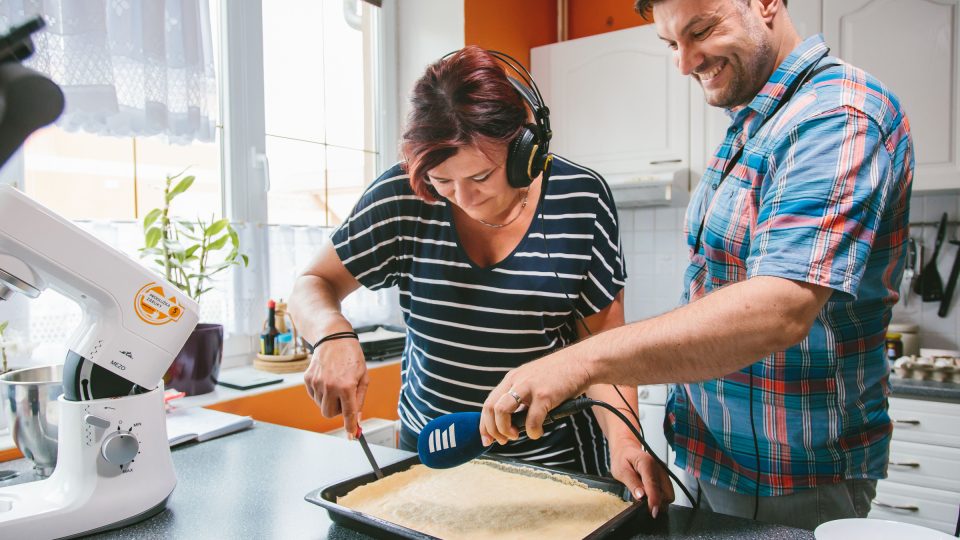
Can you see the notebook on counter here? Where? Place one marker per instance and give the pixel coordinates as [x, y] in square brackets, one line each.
[199, 424]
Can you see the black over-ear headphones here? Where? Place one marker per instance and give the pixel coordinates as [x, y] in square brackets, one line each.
[529, 153]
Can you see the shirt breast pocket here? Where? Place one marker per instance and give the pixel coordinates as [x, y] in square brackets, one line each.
[731, 218]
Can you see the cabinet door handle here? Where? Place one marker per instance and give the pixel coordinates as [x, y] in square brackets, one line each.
[911, 464]
[907, 507]
[911, 422]
[665, 161]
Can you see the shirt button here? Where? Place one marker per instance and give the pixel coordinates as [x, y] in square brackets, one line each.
[715, 186]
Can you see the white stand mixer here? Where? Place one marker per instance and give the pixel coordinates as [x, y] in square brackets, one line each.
[113, 458]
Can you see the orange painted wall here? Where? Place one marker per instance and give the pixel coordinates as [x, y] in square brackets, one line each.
[510, 26]
[293, 407]
[591, 17]
[514, 27]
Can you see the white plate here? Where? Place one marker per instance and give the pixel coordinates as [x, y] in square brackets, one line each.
[875, 529]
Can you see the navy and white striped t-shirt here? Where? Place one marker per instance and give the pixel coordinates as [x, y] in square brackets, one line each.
[467, 326]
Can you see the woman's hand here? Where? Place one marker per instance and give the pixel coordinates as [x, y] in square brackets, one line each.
[337, 380]
[642, 475]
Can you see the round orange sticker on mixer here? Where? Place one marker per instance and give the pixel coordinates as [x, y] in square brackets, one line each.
[154, 307]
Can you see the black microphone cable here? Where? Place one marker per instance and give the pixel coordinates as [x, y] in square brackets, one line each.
[638, 433]
[756, 453]
[573, 308]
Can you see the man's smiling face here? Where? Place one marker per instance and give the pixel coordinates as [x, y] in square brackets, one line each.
[723, 44]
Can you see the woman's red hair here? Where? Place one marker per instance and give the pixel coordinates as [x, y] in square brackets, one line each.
[462, 100]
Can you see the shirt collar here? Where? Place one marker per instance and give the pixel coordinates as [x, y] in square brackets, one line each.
[792, 66]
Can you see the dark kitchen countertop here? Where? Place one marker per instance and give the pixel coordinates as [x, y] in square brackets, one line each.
[930, 390]
[251, 485]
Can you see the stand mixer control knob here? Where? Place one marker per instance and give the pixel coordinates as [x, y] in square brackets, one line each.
[120, 448]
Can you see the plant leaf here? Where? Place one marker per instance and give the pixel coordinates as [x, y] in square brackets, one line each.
[215, 227]
[152, 237]
[181, 186]
[218, 243]
[246, 260]
[3, 326]
[174, 246]
[189, 235]
[187, 225]
[151, 217]
[191, 250]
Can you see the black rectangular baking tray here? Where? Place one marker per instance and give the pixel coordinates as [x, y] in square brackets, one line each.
[326, 497]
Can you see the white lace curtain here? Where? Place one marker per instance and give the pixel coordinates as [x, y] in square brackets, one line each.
[237, 300]
[127, 67]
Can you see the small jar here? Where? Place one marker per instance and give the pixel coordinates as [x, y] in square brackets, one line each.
[909, 335]
[894, 346]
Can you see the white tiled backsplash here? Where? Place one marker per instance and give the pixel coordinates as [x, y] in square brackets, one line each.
[657, 256]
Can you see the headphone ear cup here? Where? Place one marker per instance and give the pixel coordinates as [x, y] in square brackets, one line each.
[525, 158]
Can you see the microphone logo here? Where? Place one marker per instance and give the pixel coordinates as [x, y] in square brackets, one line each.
[442, 439]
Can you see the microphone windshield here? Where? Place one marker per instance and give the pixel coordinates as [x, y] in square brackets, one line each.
[450, 440]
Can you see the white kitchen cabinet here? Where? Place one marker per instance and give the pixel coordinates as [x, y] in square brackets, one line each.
[933, 508]
[912, 46]
[617, 102]
[923, 482]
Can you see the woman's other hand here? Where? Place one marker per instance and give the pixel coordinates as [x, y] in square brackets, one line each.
[642, 475]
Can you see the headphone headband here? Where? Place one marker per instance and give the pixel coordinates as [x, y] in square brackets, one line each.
[529, 153]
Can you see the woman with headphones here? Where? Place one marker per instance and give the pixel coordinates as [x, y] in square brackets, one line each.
[496, 266]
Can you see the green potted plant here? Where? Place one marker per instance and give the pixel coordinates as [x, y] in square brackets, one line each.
[189, 254]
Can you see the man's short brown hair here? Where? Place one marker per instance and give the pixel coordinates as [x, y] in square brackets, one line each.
[645, 7]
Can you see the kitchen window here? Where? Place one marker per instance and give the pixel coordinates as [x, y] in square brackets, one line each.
[303, 114]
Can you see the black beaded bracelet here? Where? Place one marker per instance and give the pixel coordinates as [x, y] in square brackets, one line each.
[333, 336]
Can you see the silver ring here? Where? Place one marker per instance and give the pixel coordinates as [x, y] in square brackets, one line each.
[515, 396]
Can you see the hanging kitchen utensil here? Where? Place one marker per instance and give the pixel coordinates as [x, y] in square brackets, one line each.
[909, 271]
[918, 267]
[931, 286]
[951, 283]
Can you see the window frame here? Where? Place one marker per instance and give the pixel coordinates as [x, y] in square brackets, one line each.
[245, 169]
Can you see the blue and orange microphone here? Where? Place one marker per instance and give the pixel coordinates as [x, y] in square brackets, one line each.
[454, 439]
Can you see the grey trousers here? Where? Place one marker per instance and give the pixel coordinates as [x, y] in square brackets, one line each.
[803, 509]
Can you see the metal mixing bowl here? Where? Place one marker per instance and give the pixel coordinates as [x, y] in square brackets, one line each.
[30, 403]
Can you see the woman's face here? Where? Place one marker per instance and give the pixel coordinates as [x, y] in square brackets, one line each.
[476, 182]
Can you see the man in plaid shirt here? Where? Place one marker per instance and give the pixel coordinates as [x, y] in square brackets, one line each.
[797, 238]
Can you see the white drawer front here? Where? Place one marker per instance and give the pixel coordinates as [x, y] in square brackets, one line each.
[925, 422]
[932, 508]
[653, 394]
[925, 465]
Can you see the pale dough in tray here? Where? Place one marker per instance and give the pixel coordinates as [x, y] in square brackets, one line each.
[483, 499]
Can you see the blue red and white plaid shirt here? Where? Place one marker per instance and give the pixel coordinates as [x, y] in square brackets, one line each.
[820, 195]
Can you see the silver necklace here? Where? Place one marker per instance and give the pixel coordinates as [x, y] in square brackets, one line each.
[523, 204]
